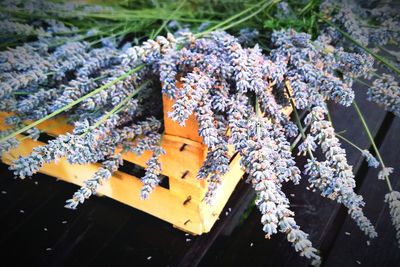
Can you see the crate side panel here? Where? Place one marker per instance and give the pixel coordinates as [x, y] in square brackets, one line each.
[124, 188]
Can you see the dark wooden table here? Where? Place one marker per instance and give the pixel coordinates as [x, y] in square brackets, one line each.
[37, 230]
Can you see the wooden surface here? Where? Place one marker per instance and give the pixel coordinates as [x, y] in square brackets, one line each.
[103, 232]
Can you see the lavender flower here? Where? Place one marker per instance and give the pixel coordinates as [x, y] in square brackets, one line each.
[8, 145]
[393, 200]
[307, 145]
[341, 182]
[99, 59]
[90, 186]
[20, 29]
[385, 173]
[371, 160]
[195, 85]
[151, 178]
[258, 158]
[385, 91]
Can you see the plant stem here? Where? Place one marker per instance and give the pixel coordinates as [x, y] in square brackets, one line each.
[349, 142]
[371, 139]
[117, 108]
[70, 105]
[221, 24]
[363, 83]
[166, 20]
[266, 5]
[297, 118]
[369, 51]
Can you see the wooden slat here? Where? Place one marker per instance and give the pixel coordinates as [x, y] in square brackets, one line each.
[189, 131]
[24, 236]
[97, 223]
[182, 156]
[177, 161]
[53, 127]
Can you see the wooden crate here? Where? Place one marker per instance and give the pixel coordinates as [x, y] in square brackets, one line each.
[181, 204]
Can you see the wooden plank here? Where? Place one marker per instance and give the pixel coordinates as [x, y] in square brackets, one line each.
[189, 131]
[351, 245]
[53, 127]
[17, 214]
[30, 240]
[97, 224]
[199, 246]
[183, 158]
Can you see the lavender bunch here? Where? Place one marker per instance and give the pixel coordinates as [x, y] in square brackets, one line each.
[340, 177]
[354, 19]
[236, 94]
[259, 161]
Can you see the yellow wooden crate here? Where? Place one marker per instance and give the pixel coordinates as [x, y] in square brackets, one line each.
[180, 205]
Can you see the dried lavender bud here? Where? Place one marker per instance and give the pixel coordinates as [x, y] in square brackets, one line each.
[151, 178]
[195, 85]
[354, 64]
[214, 167]
[34, 133]
[20, 29]
[27, 166]
[99, 59]
[71, 92]
[238, 115]
[307, 145]
[205, 117]
[8, 145]
[168, 73]
[12, 120]
[393, 200]
[385, 91]
[90, 186]
[35, 100]
[371, 160]
[385, 173]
